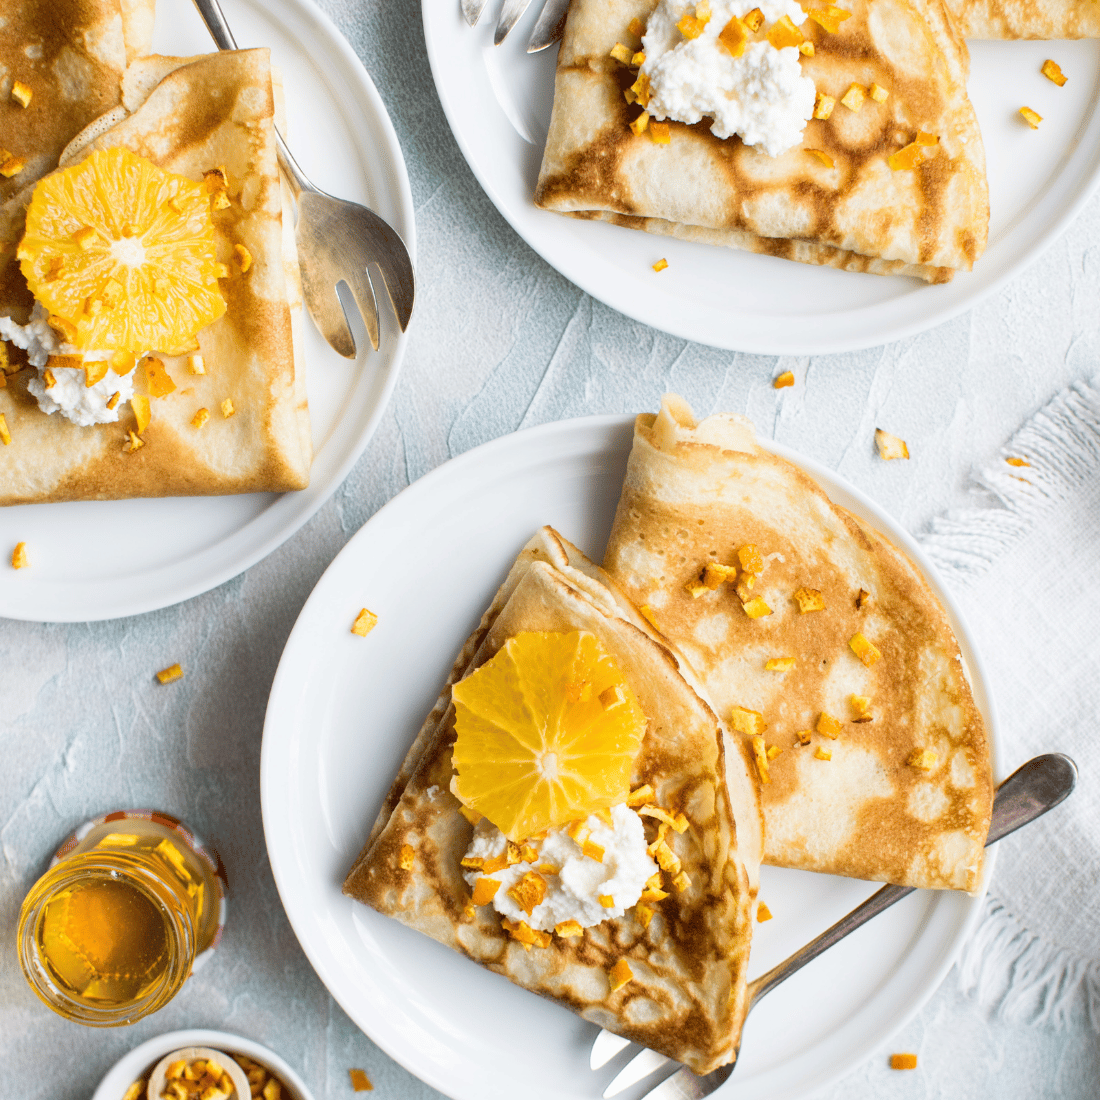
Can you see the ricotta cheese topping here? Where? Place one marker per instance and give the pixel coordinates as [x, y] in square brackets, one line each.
[762, 95]
[573, 892]
[83, 405]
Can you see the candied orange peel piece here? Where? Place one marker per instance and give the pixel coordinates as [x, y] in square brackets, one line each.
[828, 726]
[757, 608]
[5, 434]
[780, 664]
[924, 759]
[763, 913]
[823, 754]
[660, 133]
[890, 446]
[172, 672]
[782, 381]
[865, 650]
[784, 33]
[360, 1082]
[754, 20]
[19, 559]
[364, 623]
[854, 96]
[621, 53]
[747, 721]
[1053, 72]
[732, 37]
[1032, 118]
[21, 93]
[829, 18]
[809, 599]
[529, 892]
[903, 1061]
[760, 755]
[619, 975]
[823, 105]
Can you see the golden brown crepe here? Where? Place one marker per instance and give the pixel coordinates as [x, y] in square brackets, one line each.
[859, 215]
[698, 493]
[1025, 18]
[687, 998]
[205, 112]
[71, 54]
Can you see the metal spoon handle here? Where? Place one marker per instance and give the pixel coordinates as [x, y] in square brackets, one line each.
[1031, 790]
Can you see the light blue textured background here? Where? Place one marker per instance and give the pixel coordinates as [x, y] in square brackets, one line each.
[500, 341]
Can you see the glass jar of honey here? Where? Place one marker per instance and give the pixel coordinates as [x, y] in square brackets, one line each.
[132, 904]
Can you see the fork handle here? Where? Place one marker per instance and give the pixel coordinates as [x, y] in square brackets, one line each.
[214, 18]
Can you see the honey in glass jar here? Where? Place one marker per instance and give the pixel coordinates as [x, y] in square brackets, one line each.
[132, 904]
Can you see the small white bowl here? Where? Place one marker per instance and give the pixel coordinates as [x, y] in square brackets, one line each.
[142, 1059]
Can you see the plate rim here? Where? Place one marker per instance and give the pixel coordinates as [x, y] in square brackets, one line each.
[1088, 177]
[310, 500]
[279, 708]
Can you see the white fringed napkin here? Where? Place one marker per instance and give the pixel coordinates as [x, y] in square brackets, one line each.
[1026, 569]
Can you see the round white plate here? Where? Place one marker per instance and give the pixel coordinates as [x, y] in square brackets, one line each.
[497, 100]
[132, 1066]
[344, 709]
[105, 559]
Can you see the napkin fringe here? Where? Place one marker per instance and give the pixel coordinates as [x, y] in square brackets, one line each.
[1061, 445]
[1007, 966]
[1024, 978]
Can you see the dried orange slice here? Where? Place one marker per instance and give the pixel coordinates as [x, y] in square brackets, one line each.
[547, 732]
[124, 252]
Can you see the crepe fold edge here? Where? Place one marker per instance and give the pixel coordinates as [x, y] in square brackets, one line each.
[550, 566]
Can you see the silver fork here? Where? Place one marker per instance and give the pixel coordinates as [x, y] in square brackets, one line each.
[547, 30]
[1028, 793]
[336, 240]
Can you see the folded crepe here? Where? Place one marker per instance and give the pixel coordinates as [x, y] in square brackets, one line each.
[858, 215]
[71, 54]
[907, 794]
[1025, 18]
[687, 997]
[189, 115]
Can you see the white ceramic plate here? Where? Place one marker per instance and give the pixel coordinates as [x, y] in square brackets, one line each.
[105, 559]
[497, 100]
[344, 709]
[142, 1058]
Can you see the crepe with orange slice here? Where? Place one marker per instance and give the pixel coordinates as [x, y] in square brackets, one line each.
[234, 419]
[682, 956]
[890, 185]
[820, 642]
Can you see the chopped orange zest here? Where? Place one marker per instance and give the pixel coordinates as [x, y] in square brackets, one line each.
[577, 830]
[497, 863]
[691, 26]
[621, 53]
[5, 435]
[682, 881]
[200, 418]
[21, 93]
[696, 588]
[640, 795]
[761, 757]
[172, 672]
[1017, 462]
[364, 623]
[227, 408]
[863, 598]
[607, 901]
[926, 139]
[773, 751]
[360, 1082]
[866, 651]
[823, 105]
[640, 124]
[903, 1061]
[757, 608]
[12, 166]
[828, 162]
[49, 379]
[732, 38]
[136, 443]
[638, 60]
[593, 850]
[803, 737]
[861, 704]
[823, 754]
[715, 575]
[666, 858]
[94, 372]
[806, 49]
[779, 664]
[660, 133]
[853, 97]
[660, 265]
[142, 414]
[529, 891]
[924, 759]
[754, 20]
[644, 913]
[878, 93]
[19, 558]
[522, 933]
[641, 89]
[828, 726]
[752, 561]
[784, 33]
[244, 257]
[747, 721]
[1031, 117]
[763, 913]
[485, 890]
[636, 27]
[1051, 71]
[568, 928]
[620, 974]
[890, 446]
[906, 158]
[157, 380]
[829, 18]
[407, 857]
[782, 381]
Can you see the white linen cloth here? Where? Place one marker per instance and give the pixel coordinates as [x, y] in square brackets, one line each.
[1025, 565]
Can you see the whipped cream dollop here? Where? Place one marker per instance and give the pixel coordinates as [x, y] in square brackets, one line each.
[762, 95]
[69, 396]
[574, 889]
